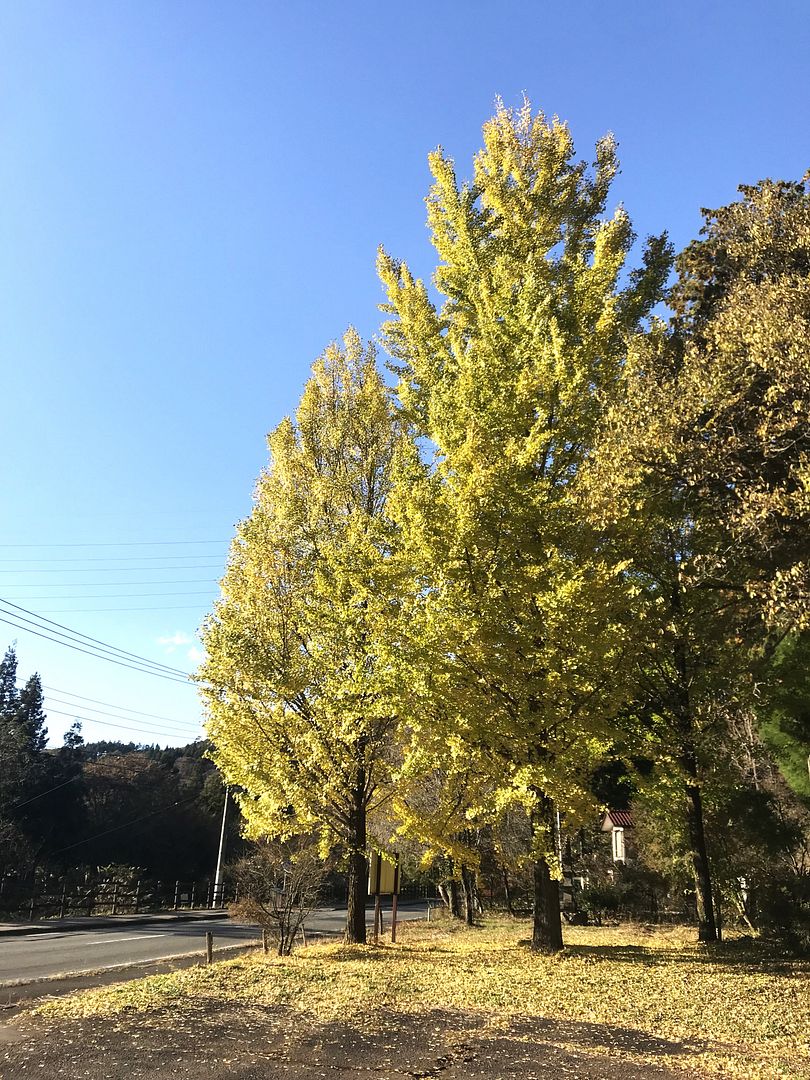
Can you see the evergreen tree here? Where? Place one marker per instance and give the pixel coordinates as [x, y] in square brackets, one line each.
[23, 737]
[31, 716]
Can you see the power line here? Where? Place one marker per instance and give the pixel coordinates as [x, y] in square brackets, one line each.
[115, 584]
[106, 558]
[96, 610]
[110, 569]
[115, 596]
[76, 635]
[42, 794]
[144, 729]
[97, 655]
[183, 726]
[126, 825]
[125, 543]
[112, 705]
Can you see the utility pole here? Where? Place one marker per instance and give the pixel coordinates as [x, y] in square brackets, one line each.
[216, 899]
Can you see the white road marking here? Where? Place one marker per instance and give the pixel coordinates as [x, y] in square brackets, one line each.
[129, 937]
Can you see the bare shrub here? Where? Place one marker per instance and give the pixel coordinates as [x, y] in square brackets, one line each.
[279, 884]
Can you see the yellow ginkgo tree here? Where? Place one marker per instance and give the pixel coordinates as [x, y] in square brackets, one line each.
[522, 619]
[302, 647]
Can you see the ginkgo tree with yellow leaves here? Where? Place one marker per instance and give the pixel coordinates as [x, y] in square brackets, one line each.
[521, 619]
[302, 646]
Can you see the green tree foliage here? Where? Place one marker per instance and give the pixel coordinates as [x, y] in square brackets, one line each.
[785, 711]
[302, 659]
[23, 770]
[702, 483]
[741, 397]
[506, 381]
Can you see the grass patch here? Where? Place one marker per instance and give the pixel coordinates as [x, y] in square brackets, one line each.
[744, 1012]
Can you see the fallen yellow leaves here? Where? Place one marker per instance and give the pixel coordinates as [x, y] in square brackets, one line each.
[742, 1012]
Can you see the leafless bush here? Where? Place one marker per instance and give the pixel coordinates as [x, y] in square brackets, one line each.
[279, 884]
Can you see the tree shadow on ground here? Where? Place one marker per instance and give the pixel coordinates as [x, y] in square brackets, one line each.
[722, 956]
[254, 1042]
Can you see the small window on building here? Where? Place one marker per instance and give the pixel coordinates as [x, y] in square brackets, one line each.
[618, 844]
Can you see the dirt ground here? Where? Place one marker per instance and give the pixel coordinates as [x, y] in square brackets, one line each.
[257, 1043]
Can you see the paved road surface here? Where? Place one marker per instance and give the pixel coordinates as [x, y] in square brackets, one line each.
[28, 957]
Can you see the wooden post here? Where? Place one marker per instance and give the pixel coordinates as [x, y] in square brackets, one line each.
[176, 895]
[193, 890]
[32, 905]
[209, 903]
[62, 899]
[137, 895]
[115, 899]
[265, 942]
[377, 907]
[209, 948]
[394, 899]
[377, 918]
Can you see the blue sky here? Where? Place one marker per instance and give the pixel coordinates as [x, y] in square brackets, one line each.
[192, 197]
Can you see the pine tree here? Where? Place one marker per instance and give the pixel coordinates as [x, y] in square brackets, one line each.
[23, 738]
[31, 716]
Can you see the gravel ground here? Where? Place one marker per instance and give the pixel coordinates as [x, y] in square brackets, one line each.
[257, 1043]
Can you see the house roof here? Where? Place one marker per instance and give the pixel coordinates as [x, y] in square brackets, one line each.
[617, 819]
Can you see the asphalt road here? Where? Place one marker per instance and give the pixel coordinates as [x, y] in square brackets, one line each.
[30, 957]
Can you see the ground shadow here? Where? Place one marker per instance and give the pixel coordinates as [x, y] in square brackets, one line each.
[722, 956]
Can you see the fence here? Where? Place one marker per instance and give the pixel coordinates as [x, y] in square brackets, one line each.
[60, 897]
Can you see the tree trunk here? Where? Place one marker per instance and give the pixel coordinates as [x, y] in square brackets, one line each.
[356, 906]
[547, 924]
[507, 892]
[454, 889]
[468, 890]
[707, 925]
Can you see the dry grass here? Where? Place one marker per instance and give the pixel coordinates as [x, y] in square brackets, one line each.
[745, 1013]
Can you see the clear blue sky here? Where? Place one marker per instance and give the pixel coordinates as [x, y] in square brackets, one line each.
[192, 197]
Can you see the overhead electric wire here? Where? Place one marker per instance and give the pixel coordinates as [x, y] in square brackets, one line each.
[97, 655]
[112, 704]
[116, 596]
[120, 543]
[142, 730]
[42, 794]
[76, 634]
[105, 558]
[109, 569]
[103, 653]
[126, 825]
[97, 610]
[181, 725]
[114, 584]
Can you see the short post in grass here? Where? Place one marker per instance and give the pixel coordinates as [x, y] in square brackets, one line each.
[394, 899]
[209, 947]
[265, 942]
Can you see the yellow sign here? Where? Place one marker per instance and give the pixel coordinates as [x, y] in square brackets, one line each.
[383, 875]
